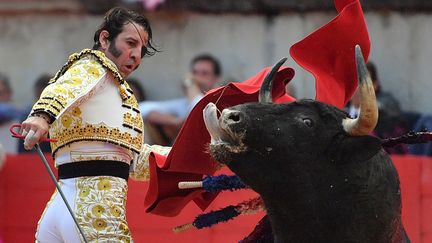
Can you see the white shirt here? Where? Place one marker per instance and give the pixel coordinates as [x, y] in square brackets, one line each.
[178, 107]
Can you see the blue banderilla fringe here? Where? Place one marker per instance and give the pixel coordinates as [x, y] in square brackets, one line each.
[222, 182]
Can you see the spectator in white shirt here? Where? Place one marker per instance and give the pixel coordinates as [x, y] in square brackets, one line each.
[168, 116]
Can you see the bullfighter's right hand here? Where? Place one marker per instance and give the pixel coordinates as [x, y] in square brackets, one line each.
[35, 128]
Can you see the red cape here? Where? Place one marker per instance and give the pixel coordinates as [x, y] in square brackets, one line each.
[327, 53]
[188, 159]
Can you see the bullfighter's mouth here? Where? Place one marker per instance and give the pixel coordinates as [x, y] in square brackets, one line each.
[225, 137]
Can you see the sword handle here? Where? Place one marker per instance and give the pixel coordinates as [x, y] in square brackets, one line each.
[16, 134]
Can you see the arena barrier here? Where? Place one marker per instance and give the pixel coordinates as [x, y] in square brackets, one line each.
[25, 187]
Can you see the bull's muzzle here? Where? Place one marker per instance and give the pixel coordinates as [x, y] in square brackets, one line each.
[231, 118]
[223, 130]
[213, 124]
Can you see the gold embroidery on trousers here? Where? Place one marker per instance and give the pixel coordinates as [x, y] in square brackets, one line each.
[100, 208]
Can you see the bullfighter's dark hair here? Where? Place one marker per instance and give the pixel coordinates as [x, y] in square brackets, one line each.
[209, 58]
[114, 21]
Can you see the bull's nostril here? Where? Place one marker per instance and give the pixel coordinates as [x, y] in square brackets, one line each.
[234, 117]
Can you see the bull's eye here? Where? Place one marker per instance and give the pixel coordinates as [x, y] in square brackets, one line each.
[308, 122]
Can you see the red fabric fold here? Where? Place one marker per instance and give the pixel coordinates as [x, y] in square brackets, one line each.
[188, 159]
[328, 53]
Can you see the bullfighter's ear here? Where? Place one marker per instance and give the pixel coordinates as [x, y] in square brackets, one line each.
[359, 148]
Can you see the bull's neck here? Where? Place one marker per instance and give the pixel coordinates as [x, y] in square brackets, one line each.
[295, 217]
[297, 225]
[287, 225]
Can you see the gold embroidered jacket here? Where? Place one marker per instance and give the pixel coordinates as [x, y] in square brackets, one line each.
[88, 100]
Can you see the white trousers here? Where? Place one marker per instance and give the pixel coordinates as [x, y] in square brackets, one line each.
[99, 206]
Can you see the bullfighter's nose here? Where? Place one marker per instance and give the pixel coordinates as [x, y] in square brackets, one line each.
[231, 117]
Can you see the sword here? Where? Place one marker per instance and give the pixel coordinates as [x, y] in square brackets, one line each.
[51, 173]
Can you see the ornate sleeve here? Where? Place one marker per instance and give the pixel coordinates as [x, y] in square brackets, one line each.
[71, 88]
[140, 167]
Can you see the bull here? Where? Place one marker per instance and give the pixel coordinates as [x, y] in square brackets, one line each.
[321, 176]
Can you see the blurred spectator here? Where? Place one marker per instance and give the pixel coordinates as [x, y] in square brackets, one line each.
[5, 89]
[424, 123]
[38, 87]
[164, 119]
[391, 121]
[386, 101]
[9, 114]
[137, 89]
[8, 111]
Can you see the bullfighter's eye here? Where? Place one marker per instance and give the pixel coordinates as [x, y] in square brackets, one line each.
[308, 122]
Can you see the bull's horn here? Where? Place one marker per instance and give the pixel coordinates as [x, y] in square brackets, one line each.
[367, 119]
[265, 93]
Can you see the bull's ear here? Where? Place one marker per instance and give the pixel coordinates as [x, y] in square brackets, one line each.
[358, 148]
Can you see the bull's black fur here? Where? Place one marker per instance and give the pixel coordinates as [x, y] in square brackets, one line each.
[319, 184]
[261, 234]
